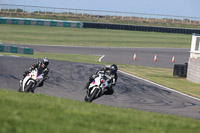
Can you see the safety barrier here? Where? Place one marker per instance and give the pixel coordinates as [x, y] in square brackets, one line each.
[40, 22]
[15, 49]
[180, 70]
[140, 28]
[77, 24]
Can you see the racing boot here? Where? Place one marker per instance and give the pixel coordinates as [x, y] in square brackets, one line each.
[21, 81]
[20, 86]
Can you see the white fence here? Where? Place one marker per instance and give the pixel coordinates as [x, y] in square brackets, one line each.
[98, 14]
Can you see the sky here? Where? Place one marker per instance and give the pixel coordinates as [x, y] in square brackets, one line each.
[189, 8]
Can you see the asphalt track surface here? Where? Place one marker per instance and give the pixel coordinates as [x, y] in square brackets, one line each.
[67, 80]
[144, 56]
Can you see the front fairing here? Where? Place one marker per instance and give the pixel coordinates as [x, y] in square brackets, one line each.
[97, 83]
[33, 76]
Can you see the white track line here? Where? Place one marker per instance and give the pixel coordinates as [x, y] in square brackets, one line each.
[10, 55]
[159, 85]
[153, 82]
[101, 58]
[14, 56]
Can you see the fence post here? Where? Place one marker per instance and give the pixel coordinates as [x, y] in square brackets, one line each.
[16, 9]
[68, 12]
[182, 20]
[61, 11]
[8, 8]
[75, 12]
[45, 11]
[38, 9]
[30, 9]
[122, 16]
[53, 11]
[131, 16]
[90, 13]
[156, 18]
[139, 16]
[24, 9]
[83, 13]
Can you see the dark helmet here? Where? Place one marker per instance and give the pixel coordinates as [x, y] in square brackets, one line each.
[114, 68]
[45, 61]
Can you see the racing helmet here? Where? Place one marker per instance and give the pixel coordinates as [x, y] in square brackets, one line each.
[45, 61]
[113, 68]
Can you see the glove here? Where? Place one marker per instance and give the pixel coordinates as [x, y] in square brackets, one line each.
[26, 72]
[47, 77]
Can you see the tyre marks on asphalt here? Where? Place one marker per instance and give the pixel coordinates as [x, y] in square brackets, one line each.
[67, 79]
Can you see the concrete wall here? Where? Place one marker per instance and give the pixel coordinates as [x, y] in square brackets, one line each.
[193, 72]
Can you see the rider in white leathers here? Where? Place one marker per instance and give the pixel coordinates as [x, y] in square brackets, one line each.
[110, 71]
[42, 68]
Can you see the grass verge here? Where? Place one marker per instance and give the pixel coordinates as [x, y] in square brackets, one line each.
[23, 34]
[23, 112]
[61, 56]
[164, 77]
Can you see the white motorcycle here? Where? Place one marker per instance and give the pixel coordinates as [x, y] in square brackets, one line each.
[31, 81]
[97, 87]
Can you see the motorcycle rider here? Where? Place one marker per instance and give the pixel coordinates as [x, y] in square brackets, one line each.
[109, 71]
[42, 68]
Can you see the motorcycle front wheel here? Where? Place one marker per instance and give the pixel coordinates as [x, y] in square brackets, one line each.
[28, 87]
[91, 97]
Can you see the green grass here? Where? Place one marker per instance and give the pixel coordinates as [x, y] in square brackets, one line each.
[23, 34]
[22, 112]
[164, 77]
[61, 56]
[35, 113]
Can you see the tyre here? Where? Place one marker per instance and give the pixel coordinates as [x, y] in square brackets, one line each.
[86, 98]
[93, 95]
[28, 87]
[20, 89]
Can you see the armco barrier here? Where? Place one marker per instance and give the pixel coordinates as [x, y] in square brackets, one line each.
[15, 49]
[6, 48]
[40, 22]
[28, 51]
[77, 24]
[1, 48]
[140, 28]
